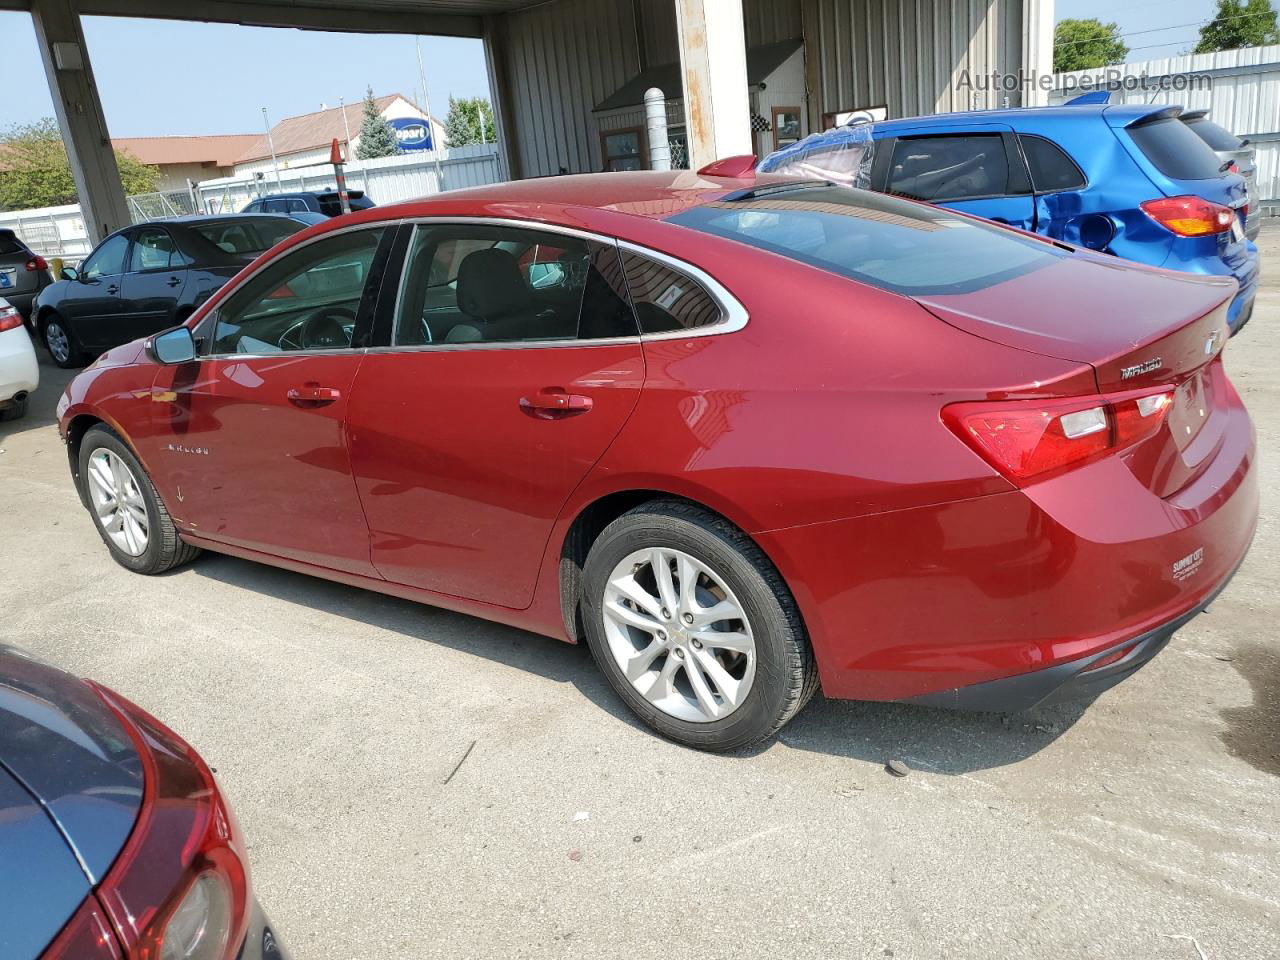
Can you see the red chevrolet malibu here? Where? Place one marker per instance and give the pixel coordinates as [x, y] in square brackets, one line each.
[745, 436]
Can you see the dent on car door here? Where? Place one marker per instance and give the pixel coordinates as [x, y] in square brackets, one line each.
[153, 286]
[979, 172]
[1062, 208]
[510, 364]
[91, 303]
[249, 444]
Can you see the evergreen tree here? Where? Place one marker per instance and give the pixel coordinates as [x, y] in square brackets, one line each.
[470, 120]
[1239, 24]
[377, 139]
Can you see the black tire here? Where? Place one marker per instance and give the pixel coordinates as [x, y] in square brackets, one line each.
[16, 410]
[786, 676]
[73, 356]
[165, 549]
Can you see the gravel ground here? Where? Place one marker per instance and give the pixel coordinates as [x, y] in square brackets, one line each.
[1142, 825]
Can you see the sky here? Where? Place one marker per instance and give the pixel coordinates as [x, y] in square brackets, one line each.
[1150, 28]
[206, 78]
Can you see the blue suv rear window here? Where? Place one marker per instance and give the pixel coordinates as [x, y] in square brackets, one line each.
[903, 247]
[1175, 150]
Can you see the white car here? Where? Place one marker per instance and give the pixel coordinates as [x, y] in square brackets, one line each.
[19, 374]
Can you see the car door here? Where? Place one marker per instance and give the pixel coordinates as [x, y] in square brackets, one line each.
[511, 363]
[249, 439]
[152, 287]
[1063, 211]
[973, 170]
[91, 303]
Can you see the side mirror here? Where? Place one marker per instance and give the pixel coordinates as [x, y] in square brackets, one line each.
[172, 346]
[70, 273]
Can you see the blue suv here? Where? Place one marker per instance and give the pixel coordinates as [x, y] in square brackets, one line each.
[1129, 179]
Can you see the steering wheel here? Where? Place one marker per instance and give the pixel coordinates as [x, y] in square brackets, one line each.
[323, 330]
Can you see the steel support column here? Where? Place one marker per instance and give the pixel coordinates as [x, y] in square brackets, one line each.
[79, 111]
[713, 62]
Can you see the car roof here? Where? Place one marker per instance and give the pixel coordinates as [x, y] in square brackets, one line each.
[1116, 115]
[192, 219]
[648, 193]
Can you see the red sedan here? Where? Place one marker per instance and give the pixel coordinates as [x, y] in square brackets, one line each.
[746, 436]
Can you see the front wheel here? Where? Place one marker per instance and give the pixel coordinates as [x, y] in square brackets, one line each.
[694, 628]
[61, 344]
[128, 513]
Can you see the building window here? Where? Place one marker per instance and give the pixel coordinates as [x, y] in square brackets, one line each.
[786, 126]
[623, 149]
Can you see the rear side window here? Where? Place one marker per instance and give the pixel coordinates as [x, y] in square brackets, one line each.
[949, 168]
[875, 239]
[246, 237]
[1051, 168]
[473, 283]
[1175, 151]
[665, 299]
[1215, 136]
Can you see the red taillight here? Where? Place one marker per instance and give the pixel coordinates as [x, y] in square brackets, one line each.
[1189, 216]
[10, 318]
[180, 888]
[1031, 439]
[37, 263]
[87, 936]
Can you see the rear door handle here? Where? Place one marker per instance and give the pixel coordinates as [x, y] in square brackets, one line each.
[113, 289]
[312, 395]
[554, 404]
[173, 281]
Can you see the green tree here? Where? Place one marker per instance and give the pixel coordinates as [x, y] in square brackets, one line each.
[1239, 24]
[35, 170]
[470, 120]
[377, 139]
[1086, 45]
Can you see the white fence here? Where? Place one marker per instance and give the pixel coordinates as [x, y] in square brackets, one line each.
[51, 231]
[1240, 89]
[386, 180]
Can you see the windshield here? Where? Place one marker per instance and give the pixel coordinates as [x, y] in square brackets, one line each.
[249, 236]
[904, 247]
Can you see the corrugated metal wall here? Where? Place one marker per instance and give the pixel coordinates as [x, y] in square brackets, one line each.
[1241, 91]
[562, 59]
[565, 56]
[909, 55]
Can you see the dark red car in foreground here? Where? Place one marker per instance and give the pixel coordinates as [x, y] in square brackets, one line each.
[745, 435]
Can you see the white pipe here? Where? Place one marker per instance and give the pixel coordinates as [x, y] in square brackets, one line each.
[655, 121]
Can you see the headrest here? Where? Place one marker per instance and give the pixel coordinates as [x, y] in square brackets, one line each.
[490, 284]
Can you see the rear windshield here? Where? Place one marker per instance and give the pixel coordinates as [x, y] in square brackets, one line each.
[247, 236]
[1215, 136]
[1175, 151]
[907, 248]
[11, 245]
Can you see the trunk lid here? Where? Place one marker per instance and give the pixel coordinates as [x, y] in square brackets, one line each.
[1139, 329]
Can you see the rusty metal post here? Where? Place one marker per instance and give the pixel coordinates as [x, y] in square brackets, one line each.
[713, 63]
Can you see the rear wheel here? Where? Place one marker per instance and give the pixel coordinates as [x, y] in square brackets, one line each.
[694, 628]
[61, 344]
[127, 511]
[14, 411]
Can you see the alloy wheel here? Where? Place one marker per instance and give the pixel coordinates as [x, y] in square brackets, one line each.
[59, 343]
[679, 635]
[117, 502]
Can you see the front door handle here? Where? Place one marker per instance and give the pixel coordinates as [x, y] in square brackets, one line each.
[113, 289]
[173, 281]
[554, 404]
[313, 395]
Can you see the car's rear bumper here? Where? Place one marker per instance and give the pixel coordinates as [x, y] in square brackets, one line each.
[19, 371]
[1080, 679]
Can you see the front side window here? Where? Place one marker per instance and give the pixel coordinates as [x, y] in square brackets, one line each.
[937, 169]
[309, 299]
[665, 299]
[108, 259]
[1051, 168]
[878, 240]
[468, 283]
[153, 250]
